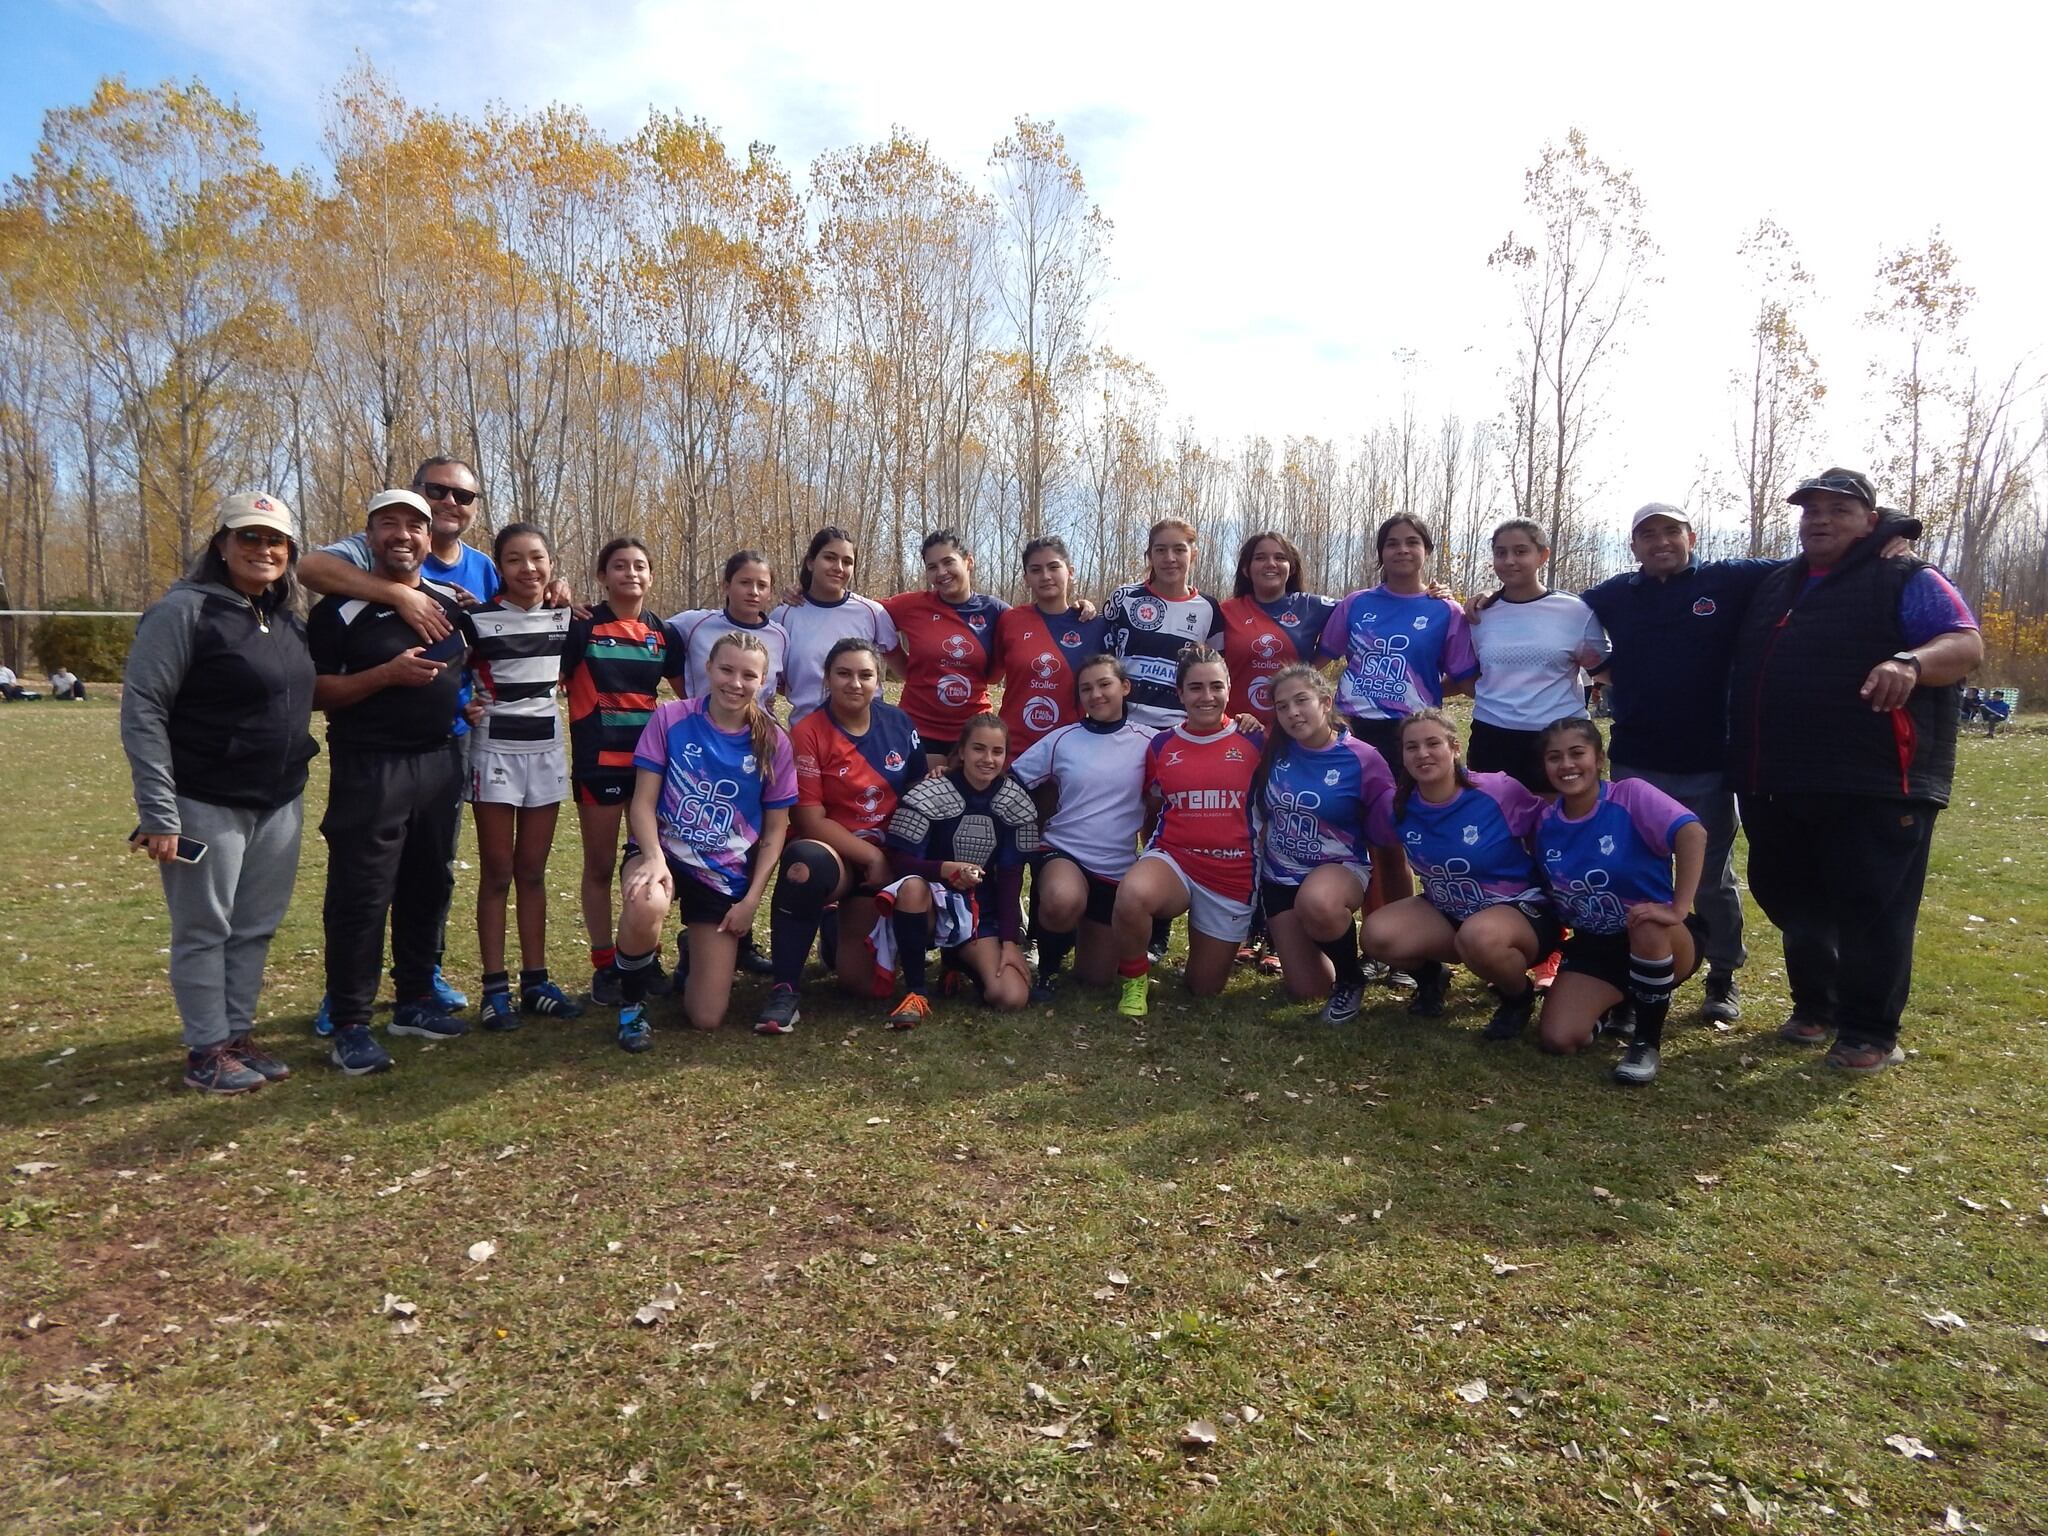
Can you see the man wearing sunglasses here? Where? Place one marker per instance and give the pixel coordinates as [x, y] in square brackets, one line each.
[347, 569]
[1842, 745]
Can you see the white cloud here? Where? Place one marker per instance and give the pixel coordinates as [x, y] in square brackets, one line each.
[1301, 191]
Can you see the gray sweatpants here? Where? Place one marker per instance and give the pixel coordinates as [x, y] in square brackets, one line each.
[224, 910]
[1719, 901]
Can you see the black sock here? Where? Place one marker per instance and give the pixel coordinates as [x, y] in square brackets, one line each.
[913, 932]
[828, 936]
[1650, 985]
[789, 943]
[1428, 974]
[495, 981]
[1162, 933]
[528, 980]
[633, 971]
[1343, 953]
[1053, 949]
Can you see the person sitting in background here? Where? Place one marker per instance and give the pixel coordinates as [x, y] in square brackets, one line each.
[10, 686]
[64, 684]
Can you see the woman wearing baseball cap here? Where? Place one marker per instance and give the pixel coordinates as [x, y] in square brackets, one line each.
[215, 705]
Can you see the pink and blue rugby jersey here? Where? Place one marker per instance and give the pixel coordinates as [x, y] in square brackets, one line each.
[1316, 804]
[714, 793]
[1616, 857]
[1471, 852]
[1397, 650]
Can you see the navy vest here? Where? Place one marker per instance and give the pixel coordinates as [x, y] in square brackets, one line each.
[238, 726]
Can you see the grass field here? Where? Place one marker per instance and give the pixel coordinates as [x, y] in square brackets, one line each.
[984, 1276]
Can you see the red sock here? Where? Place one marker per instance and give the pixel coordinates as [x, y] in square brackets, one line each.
[1138, 967]
[601, 959]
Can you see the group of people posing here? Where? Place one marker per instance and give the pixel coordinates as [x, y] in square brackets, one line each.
[1275, 766]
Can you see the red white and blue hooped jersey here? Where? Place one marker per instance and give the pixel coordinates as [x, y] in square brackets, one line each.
[948, 654]
[1259, 639]
[857, 780]
[1204, 784]
[1471, 852]
[1617, 856]
[1397, 648]
[1039, 656]
[1316, 807]
[1147, 633]
[715, 794]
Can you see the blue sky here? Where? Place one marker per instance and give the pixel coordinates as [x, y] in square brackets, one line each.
[1303, 195]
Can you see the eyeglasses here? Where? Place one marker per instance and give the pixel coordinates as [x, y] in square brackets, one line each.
[435, 491]
[260, 538]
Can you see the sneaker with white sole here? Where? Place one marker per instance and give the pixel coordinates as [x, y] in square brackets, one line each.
[1135, 998]
[1638, 1067]
[1344, 1002]
[779, 1014]
[357, 1052]
[423, 1017]
[220, 1070]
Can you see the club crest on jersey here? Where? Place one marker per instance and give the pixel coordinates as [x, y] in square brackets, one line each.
[1291, 619]
[956, 647]
[1332, 776]
[1470, 836]
[977, 621]
[749, 765]
[1606, 844]
[893, 762]
[1071, 639]
[1704, 606]
[1147, 614]
[1232, 755]
[1421, 621]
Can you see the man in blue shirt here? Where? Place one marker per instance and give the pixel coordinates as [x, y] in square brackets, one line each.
[1672, 623]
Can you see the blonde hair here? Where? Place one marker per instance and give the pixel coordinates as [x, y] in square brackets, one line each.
[761, 726]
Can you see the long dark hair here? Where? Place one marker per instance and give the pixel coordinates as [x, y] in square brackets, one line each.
[283, 595]
[819, 540]
[1242, 587]
[1278, 741]
[517, 530]
[623, 541]
[1404, 781]
[1403, 520]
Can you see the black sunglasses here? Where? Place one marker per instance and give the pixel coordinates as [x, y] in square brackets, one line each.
[434, 491]
[261, 538]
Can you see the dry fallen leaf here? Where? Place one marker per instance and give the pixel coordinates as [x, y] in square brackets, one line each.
[1908, 1447]
[1516, 1129]
[1249, 1414]
[1055, 1431]
[2035, 1335]
[1197, 1435]
[479, 1252]
[659, 1306]
[1944, 1320]
[1038, 1392]
[1117, 1277]
[395, 1305]
[30, 1170]
[869, 1261]
[1473, 1391]
[62, 1392]
[1970, 1205]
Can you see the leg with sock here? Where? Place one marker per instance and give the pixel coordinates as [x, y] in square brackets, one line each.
[807, 880]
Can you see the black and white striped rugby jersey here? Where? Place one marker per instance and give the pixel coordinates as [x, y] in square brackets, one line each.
[518, 664]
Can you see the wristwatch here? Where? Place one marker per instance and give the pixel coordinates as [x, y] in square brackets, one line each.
[1908, 658]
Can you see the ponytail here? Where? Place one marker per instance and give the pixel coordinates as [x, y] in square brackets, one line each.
[762, 731]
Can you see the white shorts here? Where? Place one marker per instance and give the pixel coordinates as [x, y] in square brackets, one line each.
[1209, 912]
[518, 778]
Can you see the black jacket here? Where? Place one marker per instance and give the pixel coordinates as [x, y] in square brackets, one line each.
[1796, 722]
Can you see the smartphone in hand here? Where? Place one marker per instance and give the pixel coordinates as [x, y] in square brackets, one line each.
[190, 849]
[450, 648]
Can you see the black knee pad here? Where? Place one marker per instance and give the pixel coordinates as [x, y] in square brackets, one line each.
[807, 897]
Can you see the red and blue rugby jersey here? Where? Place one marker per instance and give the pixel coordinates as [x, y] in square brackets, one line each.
[1039, 656]
[857, 780]
[948, 653]
[1259, 639]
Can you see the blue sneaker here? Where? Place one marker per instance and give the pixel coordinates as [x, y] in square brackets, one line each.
[496, 1013]
[423, 1017]
[634, 1035]
[549, 1001]
[446, 995]
[357, 1053]
[323, 1021]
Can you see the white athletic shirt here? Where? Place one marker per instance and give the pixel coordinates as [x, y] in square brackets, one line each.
[699, 629]
[1101, 778]
[1527, 677]
[813, 629]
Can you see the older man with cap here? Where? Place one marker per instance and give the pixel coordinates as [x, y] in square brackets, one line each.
[1842, 746]
[394, 785]
[215, 705]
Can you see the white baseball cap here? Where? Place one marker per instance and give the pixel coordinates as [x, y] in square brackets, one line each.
[1657, 509]
[411, 499]
[258, 509]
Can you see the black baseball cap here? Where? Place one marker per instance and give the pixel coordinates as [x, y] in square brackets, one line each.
[1843, 482]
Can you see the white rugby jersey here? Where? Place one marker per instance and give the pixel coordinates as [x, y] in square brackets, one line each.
[518, 665]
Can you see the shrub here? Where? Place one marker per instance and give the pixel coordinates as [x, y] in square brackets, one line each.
[96, 649]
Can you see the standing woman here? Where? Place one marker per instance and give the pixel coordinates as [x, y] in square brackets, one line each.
[1040, 645]
[1533, 646]
[1269, 623]
[1608, 852]
[826, 611]
[854, 759]
[961, 839]
[749, 586]
[613, 668]
[518, 773]
[215, 705]
[716, 779]
[1094, 772]
[1148, 623]
[1483, 903]
[1198, 780]
[1315, 788]
[945, 645]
